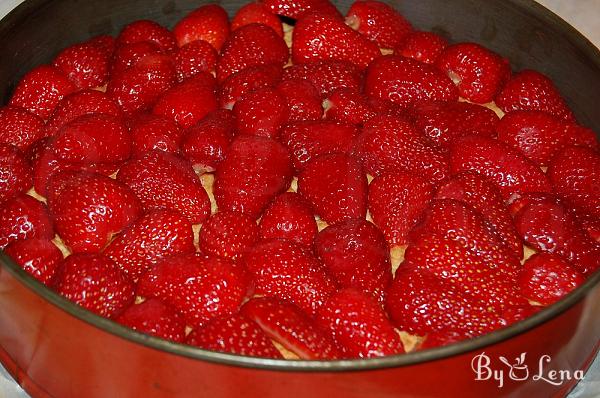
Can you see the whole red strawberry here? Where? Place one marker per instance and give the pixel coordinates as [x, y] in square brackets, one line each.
[379, 22]
[390, 144]
[349, 105]
[144, 30]
[286, 270]
[359, 325]
[236, 335]
[155, 318]
[575, 176]
[22, 217]
[163, 180]
[442, 122]
[321, 37]
[261, 112]
[336, 187]
[256, 13]
[200, 288]
[531, 90]
[150, 132]
[39, 257]
[195, 57]
[127, 55]
[302, 98]
[246, 81]
[291, 327]
[422, 46]
[396, 202]
[152, 237]
[255, 170]
[326, 76]
[19, 127]
[546, 278]
[188, 102]
[310, 139]
[407, 82]
[205, 143]
[85, 64]
[95, 283]
[478, 72]
[90, 208]
[227, 234]
[209, 23]
[506, 167]
[15, 172]
[356, 255]
[41, 89]
[251, 45]
[289, 217]
[297, 8]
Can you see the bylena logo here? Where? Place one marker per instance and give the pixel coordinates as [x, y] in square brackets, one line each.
[518, 370]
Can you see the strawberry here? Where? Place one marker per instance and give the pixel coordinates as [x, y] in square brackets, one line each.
[236, 335]
[200, 288]
[228, 234]
[127, 55]
[261, 112]
[144, 30]
[251, 45]
[205, 143]
[95, 283]
[356, 254]
[531, 90]
[349, 105]
[390, 143]
[155, 318]
[151, 132]
[290, 217]
[246, 81]
[322, 37]
[140, 86]
[379, 22]
[41, 89]
[297, 8]
[442, 122]
[478, 72]
[88, 210]
[286, 270]
[504, 166]
[302, 99]
[336, 186]
[547, 225]
[188, 102]
[291, 327]
[420, 303]
[478, 192]
[22, 217]
[195, 57]
[539, 135]
[256, 13]
[19, 127]
[326, 76]
[85, 64]
[15, 172]
[93, 138]
[106, 43]
[266, 169]
[80, 103]
[422, 46]
[209, 23]
[39, 257]
[546, 278]
[359, 325]
[437, 339]
[514, 314]
[407, 82]
[575, 176]
[152, 237]
[459, 222]
[162, 180]
[310, 139]
[396, 202]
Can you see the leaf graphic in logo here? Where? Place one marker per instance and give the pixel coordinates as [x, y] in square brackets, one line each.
[505, 361]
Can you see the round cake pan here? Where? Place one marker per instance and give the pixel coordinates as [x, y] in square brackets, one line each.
[54, 348]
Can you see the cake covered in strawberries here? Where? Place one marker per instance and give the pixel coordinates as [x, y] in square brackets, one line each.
[329, 187]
